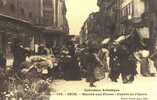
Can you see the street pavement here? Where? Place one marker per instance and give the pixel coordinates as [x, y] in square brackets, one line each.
[143, 88]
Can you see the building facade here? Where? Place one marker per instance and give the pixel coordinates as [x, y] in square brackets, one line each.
[22, 9]
[60, 15]
[135, 9]
[12, 29]
[99, 25]
[131, 10]
[58, 27]
[42, 12]
[47, 17]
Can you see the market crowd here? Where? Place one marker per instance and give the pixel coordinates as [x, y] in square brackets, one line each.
[94, 63]
[121, 55]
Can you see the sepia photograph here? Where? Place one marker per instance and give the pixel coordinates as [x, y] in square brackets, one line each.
[78, 49]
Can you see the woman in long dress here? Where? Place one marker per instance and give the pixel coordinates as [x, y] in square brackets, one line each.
[145, 68]
[103, 68]
[92, 62]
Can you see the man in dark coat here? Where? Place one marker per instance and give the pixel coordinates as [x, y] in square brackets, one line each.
[114, 64]
[19, 54]
[127, 63]
[69, 65]
[122, 62]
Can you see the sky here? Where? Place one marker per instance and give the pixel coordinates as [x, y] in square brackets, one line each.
[77, 13]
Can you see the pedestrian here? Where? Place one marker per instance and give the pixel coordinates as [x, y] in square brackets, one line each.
[143, 56]
[83, 52]
[92, 63]
[19, 54]
[70, 46]
[114, 63]
[122, 62]
[69, 65]
[127, 64]
[103, 54]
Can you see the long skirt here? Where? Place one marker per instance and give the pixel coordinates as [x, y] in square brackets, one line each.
[114, 72]
[71, 71]
[90, 73]
[145, 67]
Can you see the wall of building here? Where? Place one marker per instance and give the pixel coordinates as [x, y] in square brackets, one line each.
[91, 29]
[48, 12]
[139, 8]
[61, 16]
[9, 7]
[28, 10]
[99, 25]
[132, 8]
[11, 29]
[153, 5]
[34, 11]
[38, 12]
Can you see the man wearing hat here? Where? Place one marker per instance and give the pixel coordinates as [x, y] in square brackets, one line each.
[19, 54]
[114, 63]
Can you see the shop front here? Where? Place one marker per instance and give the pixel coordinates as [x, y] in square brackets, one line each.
[11, 29]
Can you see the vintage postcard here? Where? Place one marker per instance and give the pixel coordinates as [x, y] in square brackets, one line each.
[78, 49]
